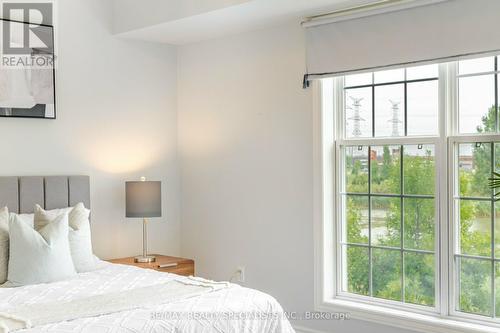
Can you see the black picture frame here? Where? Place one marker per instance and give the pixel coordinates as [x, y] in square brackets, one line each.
[24, 113]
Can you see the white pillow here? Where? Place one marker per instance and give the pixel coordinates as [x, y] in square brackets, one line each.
[80, 241]
[39, 256]
[4, 243]
[26, 218]
[5, 217]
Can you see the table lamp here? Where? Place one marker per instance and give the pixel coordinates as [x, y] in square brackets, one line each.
[143, 200]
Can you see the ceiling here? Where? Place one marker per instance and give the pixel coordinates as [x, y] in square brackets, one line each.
[187, 21]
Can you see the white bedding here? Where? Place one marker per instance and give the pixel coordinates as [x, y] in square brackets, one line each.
[254, 311]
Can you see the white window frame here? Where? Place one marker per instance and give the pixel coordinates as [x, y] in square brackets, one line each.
[327, 140]
[454, 139]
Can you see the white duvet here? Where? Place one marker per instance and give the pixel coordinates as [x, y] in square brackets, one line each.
[233, 309]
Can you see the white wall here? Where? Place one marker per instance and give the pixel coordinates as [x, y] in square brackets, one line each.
[116, 120]
[133, 14]
[245, 138]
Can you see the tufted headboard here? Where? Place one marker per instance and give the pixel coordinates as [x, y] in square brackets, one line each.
[20, 194]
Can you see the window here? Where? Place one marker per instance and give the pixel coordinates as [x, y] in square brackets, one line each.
[387, 194]
[389, 221]
[415, 224]
[477, 213]
[478, 95]
[392, 103]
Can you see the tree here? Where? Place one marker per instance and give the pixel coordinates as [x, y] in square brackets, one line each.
[475, 275]
[419, 228]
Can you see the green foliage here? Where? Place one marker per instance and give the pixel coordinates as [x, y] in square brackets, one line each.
[387, 274]
[358, 270]
[386, 177]
[357, 178]
[475, 227]
[478, 186]
[419, 278]
[489, 122]
[475, 286]
[419, 226]
[354, 218]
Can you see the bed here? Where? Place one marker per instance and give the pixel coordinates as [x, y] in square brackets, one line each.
[223, 308]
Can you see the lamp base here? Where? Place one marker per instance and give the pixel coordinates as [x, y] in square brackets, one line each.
[144, 259]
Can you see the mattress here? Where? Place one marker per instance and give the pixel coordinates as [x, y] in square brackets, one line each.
[233, 309]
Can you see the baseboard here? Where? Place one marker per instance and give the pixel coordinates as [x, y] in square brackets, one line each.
[301, 329]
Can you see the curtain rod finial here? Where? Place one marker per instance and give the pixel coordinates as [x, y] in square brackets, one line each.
[305, 82]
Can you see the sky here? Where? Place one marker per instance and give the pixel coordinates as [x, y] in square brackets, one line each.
[476, 97]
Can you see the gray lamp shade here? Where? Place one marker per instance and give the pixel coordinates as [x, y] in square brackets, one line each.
[143, 199]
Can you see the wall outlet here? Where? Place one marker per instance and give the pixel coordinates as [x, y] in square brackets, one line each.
[240, 270]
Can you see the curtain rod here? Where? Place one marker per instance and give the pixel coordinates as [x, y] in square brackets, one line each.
[312, 76]
[366, 9]
[349, 10]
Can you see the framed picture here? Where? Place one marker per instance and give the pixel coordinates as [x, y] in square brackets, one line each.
[27, 70]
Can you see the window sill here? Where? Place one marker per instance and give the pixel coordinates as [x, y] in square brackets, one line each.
[405, 319]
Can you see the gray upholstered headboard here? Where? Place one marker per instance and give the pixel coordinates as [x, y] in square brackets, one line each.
[20, 194]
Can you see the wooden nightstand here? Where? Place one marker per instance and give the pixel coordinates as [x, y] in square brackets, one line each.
[167, 264]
